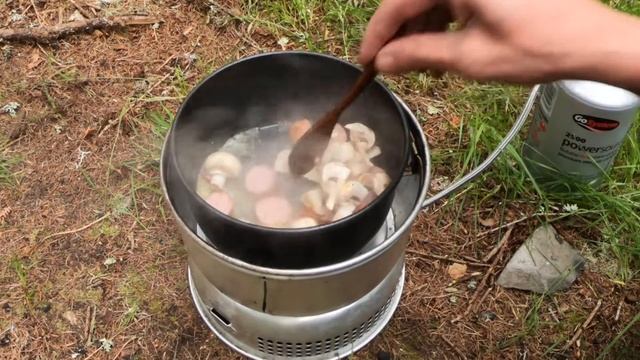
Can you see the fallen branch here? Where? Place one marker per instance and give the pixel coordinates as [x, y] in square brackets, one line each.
[584, 325]
[47, 34]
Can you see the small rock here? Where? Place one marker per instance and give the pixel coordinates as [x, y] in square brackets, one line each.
[432, 110]
[631, 299]
[456, 271]
[453, 299]
[46, 307]
[487, 316]
[383, 355]
[472, 285]
[11, 108]
[5, 340]
[78, 351]
[7, 52]
[76, 16]
[70, 316]
[106, 344]
[451, 290]
[489, 222]
[543, 264]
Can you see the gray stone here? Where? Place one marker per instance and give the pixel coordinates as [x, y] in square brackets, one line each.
[543, 264]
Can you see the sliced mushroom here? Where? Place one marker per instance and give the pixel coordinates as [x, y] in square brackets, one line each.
[343, 211]
[219, 166]
[338, 151]
[359, 164]
[303, 223]
[335, 171]
[312, 199]
[281, 164]
[203, 187]
[353, 191]
[334, 174]
[339, 134]
[373, 152]
[361, 136]
[376, 180]
[224, 162]
[217, 179]
[366, 201]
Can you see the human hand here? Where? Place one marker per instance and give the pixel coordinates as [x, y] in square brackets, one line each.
[505, 40]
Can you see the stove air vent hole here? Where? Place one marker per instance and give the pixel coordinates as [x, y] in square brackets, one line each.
[289, 349]
[220, 317]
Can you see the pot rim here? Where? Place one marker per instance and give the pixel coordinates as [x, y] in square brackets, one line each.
[395, 179]
[325, 270]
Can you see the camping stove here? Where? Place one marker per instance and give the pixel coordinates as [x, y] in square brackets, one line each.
[312, 314]
[317, 313]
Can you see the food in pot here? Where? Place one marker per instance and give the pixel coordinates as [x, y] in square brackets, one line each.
[221, 201]
[274, 211]
[299, 128]
[258, 188]
[260, 179]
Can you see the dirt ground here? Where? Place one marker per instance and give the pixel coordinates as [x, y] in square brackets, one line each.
[89, 257]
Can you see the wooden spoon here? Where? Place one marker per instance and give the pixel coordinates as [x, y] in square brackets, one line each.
[314, 142]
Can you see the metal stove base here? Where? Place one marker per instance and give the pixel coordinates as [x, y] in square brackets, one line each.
[326, 338]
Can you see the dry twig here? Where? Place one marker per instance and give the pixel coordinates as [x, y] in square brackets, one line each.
[122, 348]
[483, 283]
[584, 325]
[445, 258]
[454, 348]
[618, 311]
[76, 230]
[82, 11]
[509, 224]
[498, 246]
[47, 34]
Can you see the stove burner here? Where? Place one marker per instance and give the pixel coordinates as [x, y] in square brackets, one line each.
[258, 335]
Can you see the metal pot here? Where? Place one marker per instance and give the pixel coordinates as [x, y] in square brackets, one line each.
[260, 92]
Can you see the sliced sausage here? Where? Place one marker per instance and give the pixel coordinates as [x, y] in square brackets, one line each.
[260, 179]
[221, 201]
[274, 211]
[299, 128]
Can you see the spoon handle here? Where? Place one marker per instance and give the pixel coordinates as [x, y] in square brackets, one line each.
[369, 73]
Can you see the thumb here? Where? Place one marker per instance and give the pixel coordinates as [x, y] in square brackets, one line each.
[426, 51]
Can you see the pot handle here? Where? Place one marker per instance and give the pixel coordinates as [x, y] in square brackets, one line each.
[522, 118]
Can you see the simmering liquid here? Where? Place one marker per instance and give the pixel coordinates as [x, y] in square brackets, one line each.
[248, 177]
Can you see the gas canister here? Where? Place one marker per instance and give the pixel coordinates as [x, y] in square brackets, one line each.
[578, 128]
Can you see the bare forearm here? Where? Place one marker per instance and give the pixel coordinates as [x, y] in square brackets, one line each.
[518, 41]
[611, 54]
